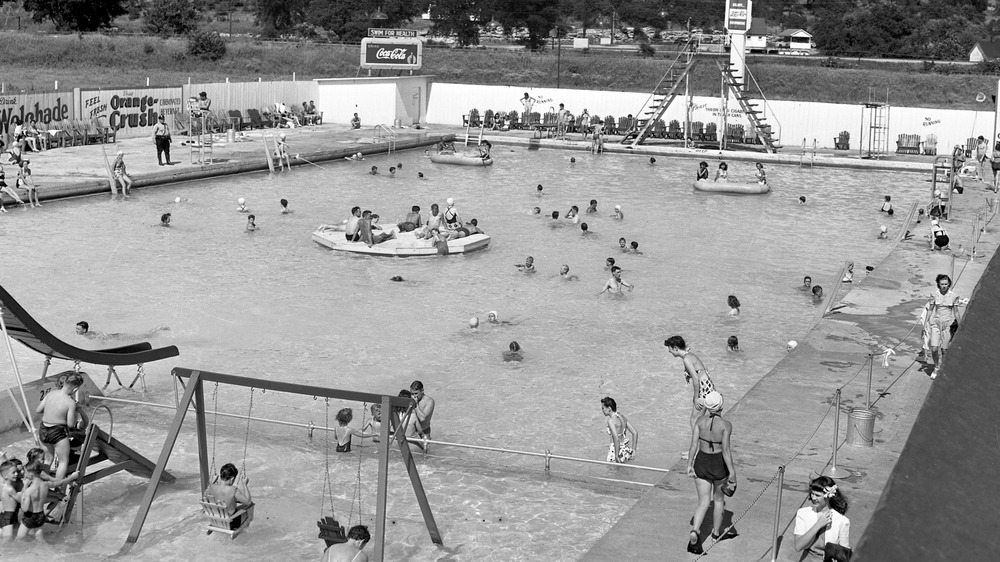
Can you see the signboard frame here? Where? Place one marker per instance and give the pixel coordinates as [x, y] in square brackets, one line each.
[738, 15]
[417, 46]
[387, 33]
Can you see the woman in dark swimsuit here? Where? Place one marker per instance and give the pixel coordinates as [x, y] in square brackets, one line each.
[702, 171]
[344, 432]
[711, 465]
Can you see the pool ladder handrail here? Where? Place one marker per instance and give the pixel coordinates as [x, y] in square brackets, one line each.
[385, 134]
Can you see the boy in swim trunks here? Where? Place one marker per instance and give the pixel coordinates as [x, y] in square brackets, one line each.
[235, 495]
[695, 372]
[58, 410]
[10, 499]
[33, 498]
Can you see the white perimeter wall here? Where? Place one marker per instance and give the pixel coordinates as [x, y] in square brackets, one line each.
[798, 120]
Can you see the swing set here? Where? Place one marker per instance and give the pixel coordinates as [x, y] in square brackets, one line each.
[392, 429]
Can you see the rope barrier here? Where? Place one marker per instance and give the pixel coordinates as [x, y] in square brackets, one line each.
[732, 524]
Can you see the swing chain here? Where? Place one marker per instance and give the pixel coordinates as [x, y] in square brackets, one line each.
[327, 483]
[215, 419]
[357, 487]
[246, 439]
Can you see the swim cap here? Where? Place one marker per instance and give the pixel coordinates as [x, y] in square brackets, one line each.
[937, 193]
[450, 201]
[493, 315]
[792, 345]
[177, 200]
[618, 207]
[884, 229]
[241, 200]
[359, 155]
[713, 401]
[934, 222]
[474, 322]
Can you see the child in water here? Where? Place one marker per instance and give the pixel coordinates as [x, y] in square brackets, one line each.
[251, 225]
[723, 172]
[702, 171]
[527, 267]
[734, 305]
[733, 343]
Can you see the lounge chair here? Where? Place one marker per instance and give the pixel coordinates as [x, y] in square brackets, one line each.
[843, 141]
[109, 133]
[237, 121]
[257, 120]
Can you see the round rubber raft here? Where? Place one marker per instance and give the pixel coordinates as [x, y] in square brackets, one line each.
[731, 187]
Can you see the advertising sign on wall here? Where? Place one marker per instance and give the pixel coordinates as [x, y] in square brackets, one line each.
[392, 54]
[41, 109]
[132, 111]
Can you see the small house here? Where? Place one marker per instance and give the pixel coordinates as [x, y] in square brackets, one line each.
[796, 40]
[984, 50]
[757, 35]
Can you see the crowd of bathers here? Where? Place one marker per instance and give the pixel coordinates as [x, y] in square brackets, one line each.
[26, 139]
[363, 225]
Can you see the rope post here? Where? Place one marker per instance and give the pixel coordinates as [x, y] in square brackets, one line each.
[833, 471]
[868, 392]
[548, 458]
[777, 515]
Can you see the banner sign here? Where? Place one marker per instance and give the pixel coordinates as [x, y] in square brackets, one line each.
[738, 16]
[41, 109]
[392, 33]
[133, 111]
[392, 54]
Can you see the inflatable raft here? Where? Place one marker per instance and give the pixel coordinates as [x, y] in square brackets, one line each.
[731, 187]
[461, 159]
[405, 244]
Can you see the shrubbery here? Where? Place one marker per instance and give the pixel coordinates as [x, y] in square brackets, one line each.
[207, 45]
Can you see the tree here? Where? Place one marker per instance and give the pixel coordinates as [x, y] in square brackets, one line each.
[276, 17]
[587, 12]
[76, 15]
[537, 16]
[461, 17]
[350, 19]
[164, 17]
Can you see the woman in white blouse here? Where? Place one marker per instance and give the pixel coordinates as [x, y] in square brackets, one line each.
[822, 521]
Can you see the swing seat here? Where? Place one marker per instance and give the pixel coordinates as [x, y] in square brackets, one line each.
[221, 522]
[331, 531]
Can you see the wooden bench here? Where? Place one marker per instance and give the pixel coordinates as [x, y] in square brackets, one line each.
[908, 144]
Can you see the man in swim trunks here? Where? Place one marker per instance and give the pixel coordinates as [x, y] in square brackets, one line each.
[695, 372]
[351, 231]
[593, 206]
[365, 231]
[806, 284]
[615, 284]
[58, 410]
[424, 410]
[414, 218]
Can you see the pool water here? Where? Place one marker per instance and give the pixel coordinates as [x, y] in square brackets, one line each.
[273, 304]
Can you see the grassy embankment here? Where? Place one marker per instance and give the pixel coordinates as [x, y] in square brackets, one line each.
[120, 61]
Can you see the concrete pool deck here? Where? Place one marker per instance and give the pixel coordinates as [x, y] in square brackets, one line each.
[793, 397]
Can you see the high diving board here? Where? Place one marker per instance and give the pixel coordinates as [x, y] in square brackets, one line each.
[23, 328]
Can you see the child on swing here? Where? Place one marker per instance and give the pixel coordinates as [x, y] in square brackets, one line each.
[233, 492]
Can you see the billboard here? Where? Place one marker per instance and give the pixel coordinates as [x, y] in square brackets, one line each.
[132, 111]
[42, 109]
[392, 54]
[738, 15]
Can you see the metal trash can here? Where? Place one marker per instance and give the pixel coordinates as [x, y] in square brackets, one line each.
[861, 427]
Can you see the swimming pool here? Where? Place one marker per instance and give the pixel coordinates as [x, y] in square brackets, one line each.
[274, 304]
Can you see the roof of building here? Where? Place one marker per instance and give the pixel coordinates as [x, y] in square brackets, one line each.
[795, 33]
[758, 26]
[991, 50]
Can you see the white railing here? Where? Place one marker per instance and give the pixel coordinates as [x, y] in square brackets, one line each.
[385, 134]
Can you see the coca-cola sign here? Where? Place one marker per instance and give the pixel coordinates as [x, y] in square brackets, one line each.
[399, 54]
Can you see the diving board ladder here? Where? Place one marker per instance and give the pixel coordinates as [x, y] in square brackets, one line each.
[666, 90]
[384, 134]
[762, 131]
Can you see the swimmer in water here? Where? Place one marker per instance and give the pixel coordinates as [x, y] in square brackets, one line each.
[565, 275]
[733, 343]
[357, 156]
[586, 231]
[817, 293]
[634, 248]
[164, 219]
[623, 245]
[527, 267]
[538, 190]
[399, 166]
[251, 225]
[761, 174]
[609, 263]
[284, 207]
[849, 274]
[802, 200]
[615, 284]
[494, 318]
[83, 329]
[513, 352]
[734, 305]
[420, 175]
[723, 172]
[702, 171]
[392, 171]
[806, 284]
[652, 160]
[618, 214]
[536, 211]
[399, 279]
[593, 206]
[886, 205]
[554, 222]
[573, 213]
[572, 160]
[474, 323]
[242, 205]
[883, 232]
[374, 171]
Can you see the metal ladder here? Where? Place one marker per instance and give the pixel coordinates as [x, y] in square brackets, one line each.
[468, 132]
[663, 94]
[756, 117]
[384, 134]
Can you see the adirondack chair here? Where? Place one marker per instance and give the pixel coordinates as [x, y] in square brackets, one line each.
[970, 146]
[697, 132]
[674, 130]
[610, 125]
[110, 134]
[514, 120]
[659, 129]
[237, 121]
[221, 522]
[930, 145]
[88, 132]
[257, 120]
[471, 119]
[624, 125]
[735, 133]
[712, 132]
[533, 118]
[843, 141]
[908, 144]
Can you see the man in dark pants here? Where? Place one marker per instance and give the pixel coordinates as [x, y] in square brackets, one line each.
[161, 136]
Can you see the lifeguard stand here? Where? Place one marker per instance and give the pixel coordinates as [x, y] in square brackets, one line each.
[200, 143]
[875, 126]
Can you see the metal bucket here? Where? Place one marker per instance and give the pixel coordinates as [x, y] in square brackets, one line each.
[861, 427]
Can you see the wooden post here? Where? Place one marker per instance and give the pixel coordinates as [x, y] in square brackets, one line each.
[383, 477]
[161, 463]
[199, 416]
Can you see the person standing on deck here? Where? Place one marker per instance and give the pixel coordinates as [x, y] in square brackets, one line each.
[161, 136]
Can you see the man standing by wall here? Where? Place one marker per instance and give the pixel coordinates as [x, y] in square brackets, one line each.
[161, 136]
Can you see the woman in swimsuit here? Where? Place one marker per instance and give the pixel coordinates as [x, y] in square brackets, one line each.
[702, 171]
[711, 465]
[761, 174]
[694, 371]
[620, 450]
[344, 432]
[723, 172]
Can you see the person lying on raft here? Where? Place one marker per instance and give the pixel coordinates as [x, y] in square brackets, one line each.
[473, 227]
[445, 147]
[365, 230]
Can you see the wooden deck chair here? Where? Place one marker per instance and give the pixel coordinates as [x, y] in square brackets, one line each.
[623, 125]
[256, 119]
[474, 119]
[236, 120]
[86, 133]
[60, 136]
[221, 522]
[970, 146]
[110, 134]
[674, 130]
[514, 120]
[488, 119]
[697, 132]
[659, 129]
[712, 132]
[843, 141]
[930, 145]
[610, 125]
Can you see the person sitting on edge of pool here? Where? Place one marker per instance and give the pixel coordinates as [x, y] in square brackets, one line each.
[618, 214]
[565, 274]
[634, 248]
[164, 219]
[702, 171]
[817, 293]
[609, 263]
[733, 343]
[593, 206]
[513, 353]
[527, 267]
